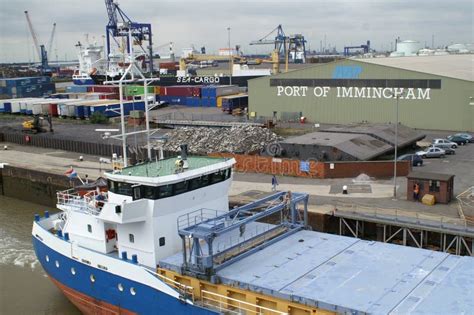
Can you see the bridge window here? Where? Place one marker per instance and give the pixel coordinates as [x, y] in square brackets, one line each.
[180, 188]
[89, 228]
[131, 238]
[162, 241]
[165, 191]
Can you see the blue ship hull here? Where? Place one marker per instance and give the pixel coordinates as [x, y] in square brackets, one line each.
[103, 295]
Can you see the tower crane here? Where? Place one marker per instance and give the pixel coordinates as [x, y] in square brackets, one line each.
[119, 26]
[40, 48]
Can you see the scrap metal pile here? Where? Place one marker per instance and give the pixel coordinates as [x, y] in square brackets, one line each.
[238, 139]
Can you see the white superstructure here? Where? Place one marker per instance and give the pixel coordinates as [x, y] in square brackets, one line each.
[138, 214]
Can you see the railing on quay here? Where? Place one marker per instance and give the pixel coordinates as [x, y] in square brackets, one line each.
[403, 217]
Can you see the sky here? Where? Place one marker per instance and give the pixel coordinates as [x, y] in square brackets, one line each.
[337, 23]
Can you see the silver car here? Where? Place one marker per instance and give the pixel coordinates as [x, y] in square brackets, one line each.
[444, 143]
[432, 152]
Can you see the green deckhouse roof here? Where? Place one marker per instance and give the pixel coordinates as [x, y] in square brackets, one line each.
[167, 166]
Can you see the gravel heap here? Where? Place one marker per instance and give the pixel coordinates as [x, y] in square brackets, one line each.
[238, 139]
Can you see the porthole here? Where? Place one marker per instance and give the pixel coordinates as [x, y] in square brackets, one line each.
[73, 271]
[132, 291]
[92, 277]
[120, 287]
[57, 264]
[47, 258]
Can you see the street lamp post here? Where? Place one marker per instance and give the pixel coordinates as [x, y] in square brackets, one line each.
[230, 56]
[396, 151]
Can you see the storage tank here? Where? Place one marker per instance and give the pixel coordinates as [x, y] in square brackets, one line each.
[407, 48]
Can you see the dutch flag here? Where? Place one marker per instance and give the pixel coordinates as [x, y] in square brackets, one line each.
[71, 173]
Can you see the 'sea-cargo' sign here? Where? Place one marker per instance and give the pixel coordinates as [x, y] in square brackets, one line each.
[409, 89]
[356, 92]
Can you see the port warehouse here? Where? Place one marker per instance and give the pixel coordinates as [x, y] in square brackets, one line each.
[437, 92]
[82, 101]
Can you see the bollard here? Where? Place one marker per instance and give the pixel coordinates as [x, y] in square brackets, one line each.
[37, 217]
[135, 259]
[344, 190]
[66, 236]
[59, 233]
[46, 214]
[124, 256]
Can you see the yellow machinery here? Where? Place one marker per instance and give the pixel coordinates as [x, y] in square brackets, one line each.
[35, 125]
[242, 60]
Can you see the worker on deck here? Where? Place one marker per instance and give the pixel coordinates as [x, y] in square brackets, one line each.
[179, 163]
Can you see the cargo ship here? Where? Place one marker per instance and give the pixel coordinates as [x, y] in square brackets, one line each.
[90, 62]
[162, 240]
[171, 80]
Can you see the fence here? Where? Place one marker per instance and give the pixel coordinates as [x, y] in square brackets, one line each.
[135, 153]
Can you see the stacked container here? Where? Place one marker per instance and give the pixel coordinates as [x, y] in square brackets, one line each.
[26, 87]
[211, 93]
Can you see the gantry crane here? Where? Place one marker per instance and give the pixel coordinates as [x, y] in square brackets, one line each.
[40, 48]
[120, 24]
[288, 47]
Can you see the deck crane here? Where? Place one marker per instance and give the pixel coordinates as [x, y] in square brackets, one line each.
[119, 25]
[40, 48]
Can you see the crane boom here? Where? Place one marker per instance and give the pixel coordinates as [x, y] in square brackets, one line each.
[33, 34]
[51, 39]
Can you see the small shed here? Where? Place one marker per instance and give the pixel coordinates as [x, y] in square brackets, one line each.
[438, 184]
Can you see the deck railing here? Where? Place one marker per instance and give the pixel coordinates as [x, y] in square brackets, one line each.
[89, 203]
[228, 305]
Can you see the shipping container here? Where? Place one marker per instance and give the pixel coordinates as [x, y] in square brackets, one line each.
[168, 65]
[173, 100]
[157, 90]
[181, 90]
[77, 89]
[219, 90]
[112, 109]
[132, 90]
[103, 89]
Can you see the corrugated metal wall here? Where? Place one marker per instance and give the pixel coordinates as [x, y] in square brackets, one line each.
[447, 109]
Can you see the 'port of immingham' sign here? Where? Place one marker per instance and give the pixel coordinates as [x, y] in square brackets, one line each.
[356, 88]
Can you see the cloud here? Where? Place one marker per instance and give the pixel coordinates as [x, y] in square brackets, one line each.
[204, 23]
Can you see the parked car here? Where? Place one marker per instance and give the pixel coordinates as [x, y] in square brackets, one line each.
[432, 152]
[458, 140]
[444, 143]
[415, 159]
[466, 136]
[446, 148]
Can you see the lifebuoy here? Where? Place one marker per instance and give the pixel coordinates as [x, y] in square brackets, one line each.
[110, 234]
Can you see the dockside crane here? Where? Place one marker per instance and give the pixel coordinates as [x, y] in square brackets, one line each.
[279, 42]
[120, 24]
[40, 48]
[285, 46]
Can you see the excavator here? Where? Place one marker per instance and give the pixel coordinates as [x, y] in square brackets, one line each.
[35, 125]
